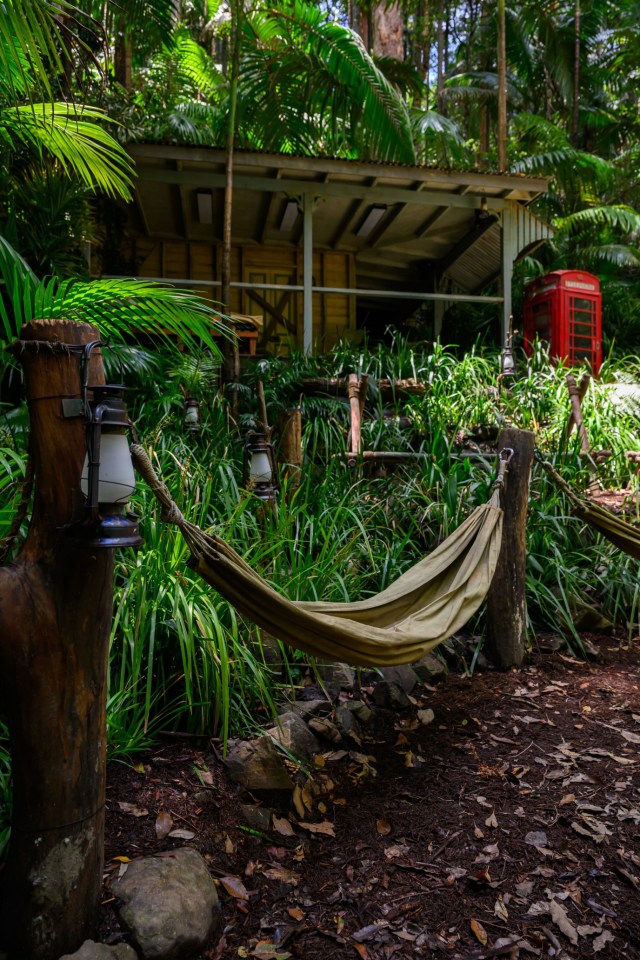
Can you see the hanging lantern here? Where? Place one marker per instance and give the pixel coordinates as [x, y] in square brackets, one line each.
[107, 480]
[508, 368]
[507, 363]
[259, 467]
[191, 415]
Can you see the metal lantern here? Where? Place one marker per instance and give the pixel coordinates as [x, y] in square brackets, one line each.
[259, 470]
[508, 368]
[107, 480]
[191, 415]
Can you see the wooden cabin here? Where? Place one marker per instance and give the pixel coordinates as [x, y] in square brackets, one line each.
[323, 247]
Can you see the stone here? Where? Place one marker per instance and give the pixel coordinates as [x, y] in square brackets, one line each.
[258, 818]
[294, 735]
[90, 950]
[360, 710]
[340, 673]
[403, 675]
[257, 765]
[587, 617]
[430, 668]
[347, 722]
[328, 692]
[310, 708]
[390, 694]
[169, 904]
[325, 728]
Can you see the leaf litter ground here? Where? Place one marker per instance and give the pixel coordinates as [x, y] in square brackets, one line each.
[498, 815]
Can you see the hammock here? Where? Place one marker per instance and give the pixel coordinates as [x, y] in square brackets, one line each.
[624, 535]
[423, 607]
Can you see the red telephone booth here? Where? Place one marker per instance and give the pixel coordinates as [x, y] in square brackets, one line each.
[565, 309]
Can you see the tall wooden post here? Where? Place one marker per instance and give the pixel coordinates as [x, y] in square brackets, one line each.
[55, 617]
[506, 601]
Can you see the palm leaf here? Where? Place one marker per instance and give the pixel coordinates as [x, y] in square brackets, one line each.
[73, 135]
[305, 64]
[122, 310]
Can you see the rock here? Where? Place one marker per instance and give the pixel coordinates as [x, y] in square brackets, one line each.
[347, 723]
[390, 694]
[340, 673]
[430, 669]
[258, 818]
[587, 617]
[360, 710]
[257, 765]
[98, 951]
[325, 728]
[310, 708]
[403, 675]
[328, 692]
[169, 904]
[293, 733]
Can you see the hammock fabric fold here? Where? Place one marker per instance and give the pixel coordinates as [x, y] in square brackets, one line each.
[423, 607]
[624, 535]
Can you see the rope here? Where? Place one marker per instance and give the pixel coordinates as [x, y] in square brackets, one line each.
[170, 512]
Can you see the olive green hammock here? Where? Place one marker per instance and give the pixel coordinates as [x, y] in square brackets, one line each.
[624, 535]
[423, 607]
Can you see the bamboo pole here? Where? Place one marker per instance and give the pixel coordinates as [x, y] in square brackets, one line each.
[355, 438]
[55, 620]
[506, 600]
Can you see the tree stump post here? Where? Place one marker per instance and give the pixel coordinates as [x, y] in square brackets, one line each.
[55, 620]
[506, 600]
[291, 446]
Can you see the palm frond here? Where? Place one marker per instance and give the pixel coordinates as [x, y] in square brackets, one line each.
[73, 135]
[308, 60]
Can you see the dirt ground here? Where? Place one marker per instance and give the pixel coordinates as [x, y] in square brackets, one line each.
[506, 823]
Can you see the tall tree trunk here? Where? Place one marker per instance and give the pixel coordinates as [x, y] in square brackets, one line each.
[388, 31]
[123, 54]
[231, 349]
[359, 22]
[484, 125]
[575, 119]
[502, 88]
[55, 620]
[440, 59]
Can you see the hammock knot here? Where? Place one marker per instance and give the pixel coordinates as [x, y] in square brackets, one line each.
[170, 513]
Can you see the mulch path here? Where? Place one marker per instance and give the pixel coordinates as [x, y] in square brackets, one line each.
[505, 825]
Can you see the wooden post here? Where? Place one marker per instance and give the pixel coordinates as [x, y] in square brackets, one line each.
[262, 409]
[291, 446]
[355, 442]
[576, 395]
[506, 601]
[55, 620]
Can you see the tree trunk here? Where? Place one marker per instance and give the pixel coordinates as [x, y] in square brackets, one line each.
[55, 619]
[230, 348]
[123, 55]
[502, 89]
[575, 120]
[440, 59]
[506, 601]
[388, 31]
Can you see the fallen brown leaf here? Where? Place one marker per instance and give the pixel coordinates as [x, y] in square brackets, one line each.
[164, 824]
[235, 887]
[282, 826]
[479, 932]
[133, 809]
[326, 828]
